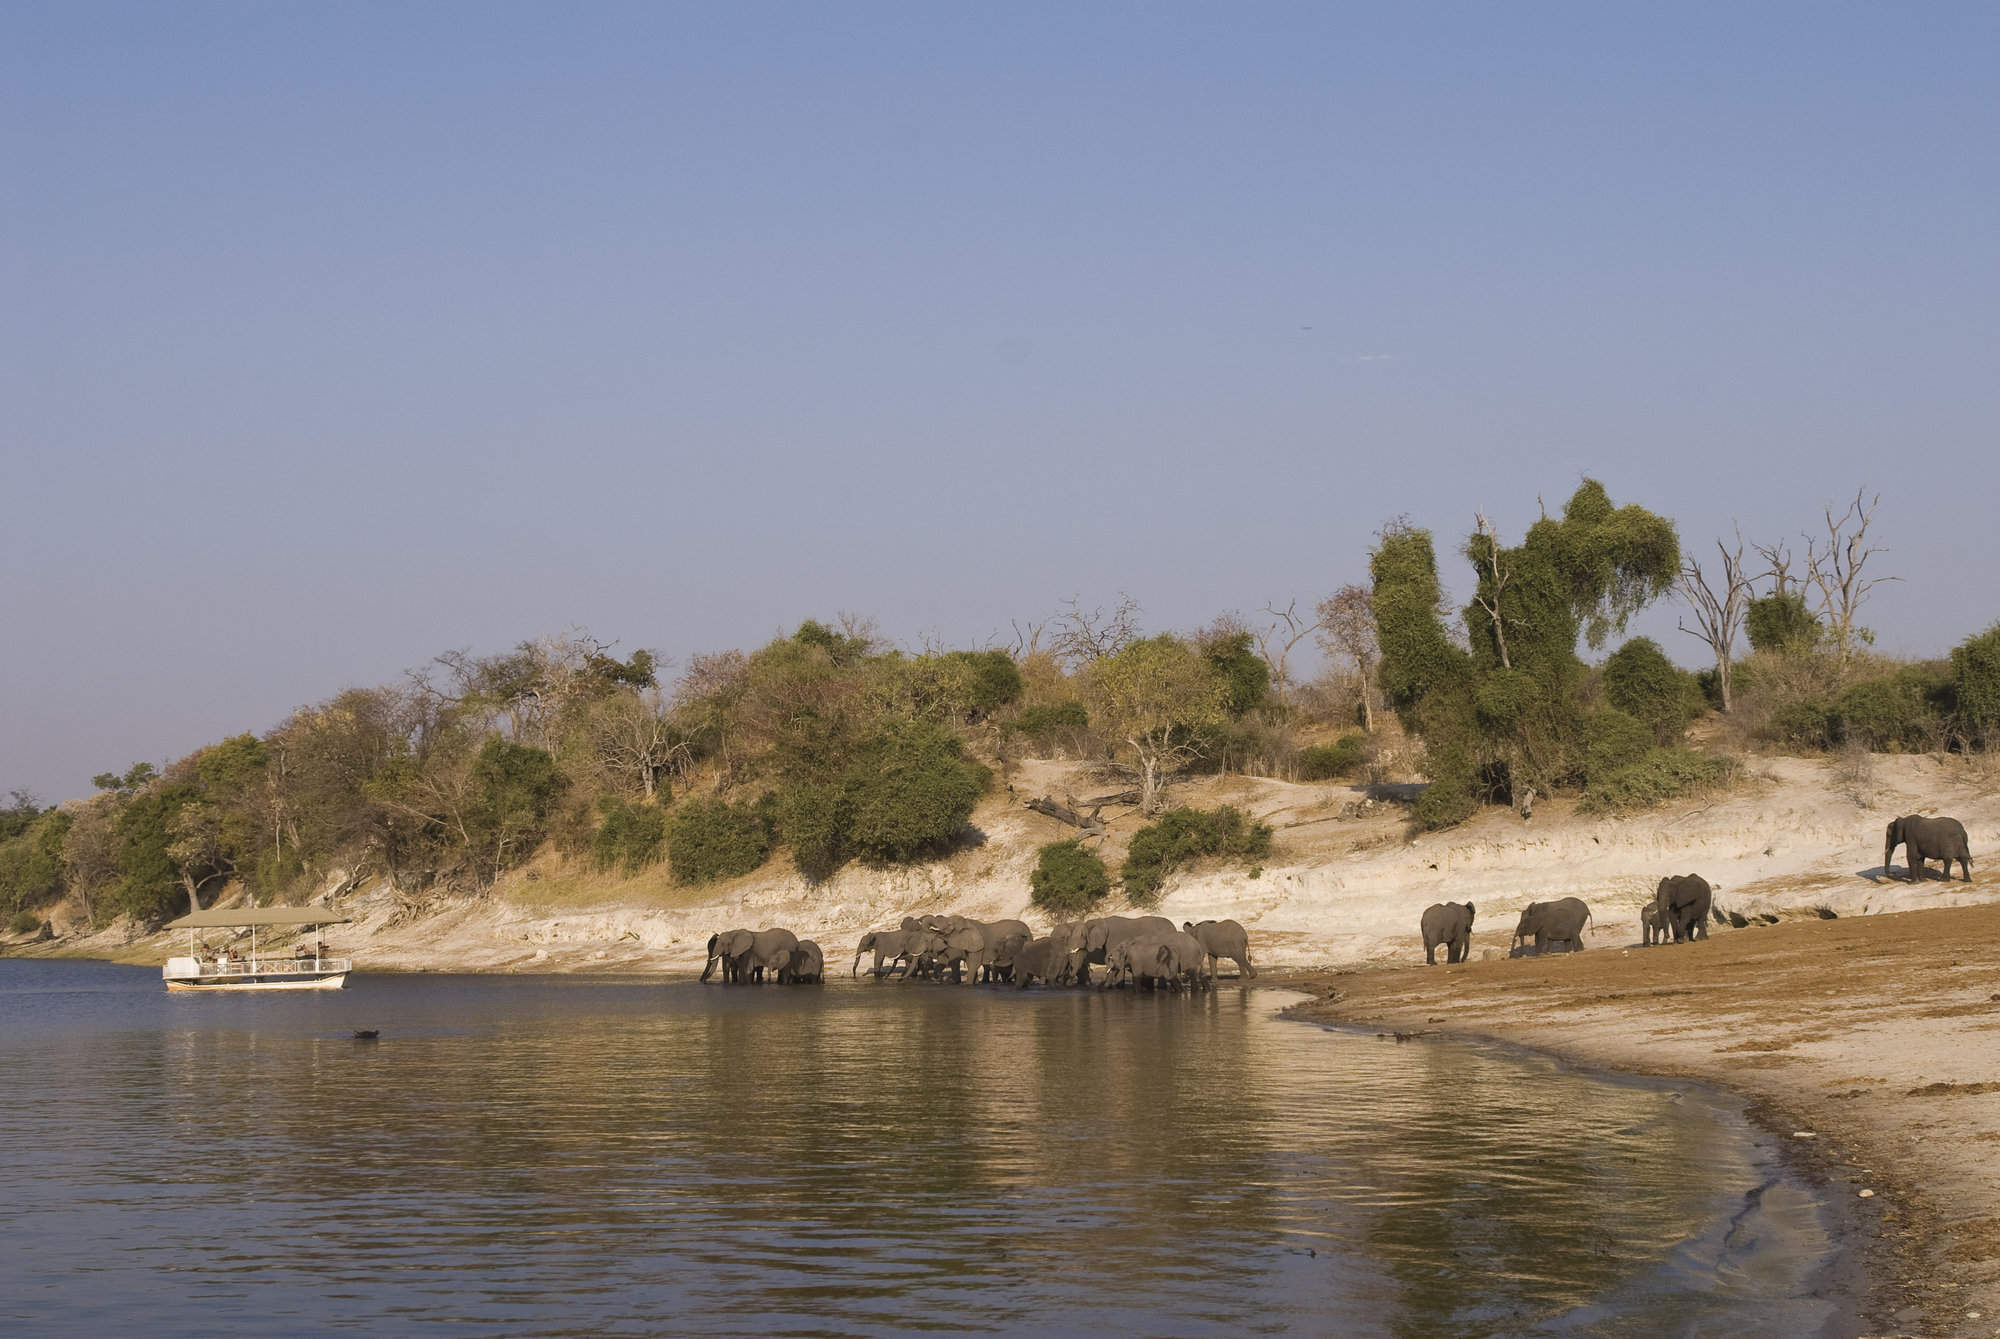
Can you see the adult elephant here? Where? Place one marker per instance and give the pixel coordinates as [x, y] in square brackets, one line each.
[1172, 957]
[890, 946]
[1940, 839]
[1106, 932]
[749, 955]
[1223, 939]
[966, 951]
[807, 966]
[1552, 924]
[1070, 965]
[1681, 905]
[1039, 960]
[1449, 924]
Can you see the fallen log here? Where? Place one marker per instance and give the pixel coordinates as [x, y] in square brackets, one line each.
[1089, 824]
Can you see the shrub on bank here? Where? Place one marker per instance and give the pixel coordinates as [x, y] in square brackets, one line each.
[1182, 835]
[709, 839]
[1325, 762]
[1661, 775]
[1069, 879]
[631, 836]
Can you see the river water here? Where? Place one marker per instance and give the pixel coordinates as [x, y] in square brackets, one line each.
[600, 1156]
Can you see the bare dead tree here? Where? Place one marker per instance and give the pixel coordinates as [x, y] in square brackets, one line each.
[1027, 637]
[1081, 637]
[1718, 609]
[1778, 556]
[1487, 555]
[1089, 824]
[1836, 570]
[1277, 641]
[1347, 632]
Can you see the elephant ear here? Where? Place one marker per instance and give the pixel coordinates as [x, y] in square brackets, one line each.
[1166, 954]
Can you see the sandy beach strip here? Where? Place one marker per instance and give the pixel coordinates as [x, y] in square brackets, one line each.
[1871, 1044]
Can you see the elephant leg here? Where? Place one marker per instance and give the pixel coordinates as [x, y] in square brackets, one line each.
[1964, 864]
[1431, 954]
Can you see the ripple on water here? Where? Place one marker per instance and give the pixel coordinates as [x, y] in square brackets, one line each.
[555, 1156]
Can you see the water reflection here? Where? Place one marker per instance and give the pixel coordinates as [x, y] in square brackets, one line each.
[562, 1157]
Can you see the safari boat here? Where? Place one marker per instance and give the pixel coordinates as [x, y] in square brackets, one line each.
[302, 967]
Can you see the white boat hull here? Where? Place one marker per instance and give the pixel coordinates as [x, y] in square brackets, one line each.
[289, 982]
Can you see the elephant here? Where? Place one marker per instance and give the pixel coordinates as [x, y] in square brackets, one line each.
[1223, 939]
[1172, 957]
[1450, 924]
[1681, 906]
[749, 955]
[807, 966]
[1101, 934]
[1651, 925]
[1941, 839]
[1551, 924]
[1070, 964]
[1039, 959]
[889, 946]
[1000, 963]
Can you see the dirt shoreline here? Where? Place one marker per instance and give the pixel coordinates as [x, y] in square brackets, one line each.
[1878, 1035]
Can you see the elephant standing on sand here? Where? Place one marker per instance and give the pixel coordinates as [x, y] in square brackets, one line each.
[1922, 839]
[1651, 926]
[1553, 924]
[749, 955]
[1681, 906]
[1223, 939]
[1450, 924]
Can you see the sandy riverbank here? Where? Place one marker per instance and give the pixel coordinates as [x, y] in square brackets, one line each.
[1879, 1035]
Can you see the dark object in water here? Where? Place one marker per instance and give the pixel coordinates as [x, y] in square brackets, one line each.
[366, 1034]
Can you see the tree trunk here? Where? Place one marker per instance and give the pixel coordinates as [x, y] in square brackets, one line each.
[187, 882]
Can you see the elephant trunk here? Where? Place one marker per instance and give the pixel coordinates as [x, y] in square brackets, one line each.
[1888, 849]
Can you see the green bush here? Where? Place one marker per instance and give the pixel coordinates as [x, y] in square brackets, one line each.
[709, 839]
[1640, 681]
[1975, 676]
[1069, 879]
[1808, 724]
[1656, 778]
[513, 789]
[1050, 723]
[1246, 679]
[31, 868]
[1612, 740]
[1324, 762]
[24, 923]
[996, 679]
[1902, 713]
[812, 820]
[631, 836]
[1781, 623]
[1181, 835]
[909, 794]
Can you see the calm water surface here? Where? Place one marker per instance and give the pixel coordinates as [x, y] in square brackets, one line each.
[565, 1156]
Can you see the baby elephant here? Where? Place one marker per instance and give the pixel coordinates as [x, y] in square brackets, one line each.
[1653, 925]
[1450, 924]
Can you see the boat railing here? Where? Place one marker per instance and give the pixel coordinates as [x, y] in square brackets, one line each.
[276, 966]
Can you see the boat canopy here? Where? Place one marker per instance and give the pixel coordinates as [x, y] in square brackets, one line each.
[214, 919]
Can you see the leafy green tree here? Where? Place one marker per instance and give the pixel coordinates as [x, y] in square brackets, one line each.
[1613, 740]
[1068, 879]
[511, 794]
[1157, 696]
[31, 866]
[1246, 678]
[1506, 712]
[995, 679]
[150, 888]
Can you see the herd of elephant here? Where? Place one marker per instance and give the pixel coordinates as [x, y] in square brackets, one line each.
[1681, 905]
[1143, 951]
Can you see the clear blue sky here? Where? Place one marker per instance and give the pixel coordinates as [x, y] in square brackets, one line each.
[336, 336]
